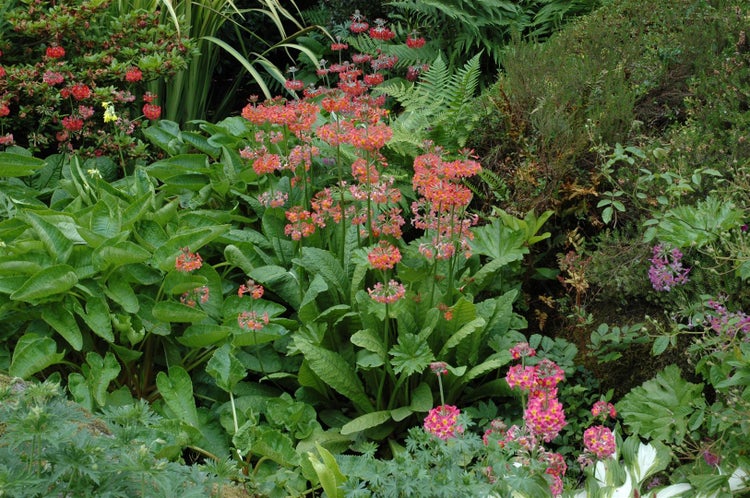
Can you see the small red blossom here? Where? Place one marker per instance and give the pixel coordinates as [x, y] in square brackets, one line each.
[149, 97]
[603, 409]
[55, 52]
[255, 290]
[80, 91]
[294, 85]
[381, 32]
[388, 293]
[187, 261]
[373, 79]
[339, 46]
[4, 109]
[133, 75]
[193, 297]
[384, 256]
[439, 367]
[52, 78]
[71, 123]
[2, 72]
[151, 111]
[250, 320]
[413, 41]
[521, 350]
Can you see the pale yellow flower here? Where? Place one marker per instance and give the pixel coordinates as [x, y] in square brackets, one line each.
[109, 112]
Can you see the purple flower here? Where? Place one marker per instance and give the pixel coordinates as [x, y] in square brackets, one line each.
[666, 269]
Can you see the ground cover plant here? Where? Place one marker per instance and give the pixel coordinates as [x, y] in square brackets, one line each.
[328, 294]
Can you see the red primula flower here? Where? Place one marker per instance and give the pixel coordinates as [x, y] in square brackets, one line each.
[2, 71]
[133, 75]
[413, 41]
[151, 111]
[4, 109]
[72, 124]
[55, 52]
[80, 91]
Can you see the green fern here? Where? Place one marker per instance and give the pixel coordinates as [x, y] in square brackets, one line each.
[438, 107]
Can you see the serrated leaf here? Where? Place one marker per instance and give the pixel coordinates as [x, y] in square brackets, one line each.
[410, 355]
[660, 408]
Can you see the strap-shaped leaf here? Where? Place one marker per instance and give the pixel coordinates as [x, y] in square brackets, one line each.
[366, 421]
[334, 370]
[12, 164]
[120, 291]
[50, 281]
[33, 353]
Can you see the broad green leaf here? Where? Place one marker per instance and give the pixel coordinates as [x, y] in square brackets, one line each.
[50, 281]
[323, 263]
[399, 414]
[334, 370]
[369, 340]
[171, 311]
[421, 398]
[96, 316]
[225, 368]
[280, 281]
[366, 421]
[177, 282]
[120, 291]
[266, 441]
[308, 309]
[57, 245]
[102, 372]
[461, 334]
[33, 353]
[176, 388]
[201, 335]
[62, 320]
[121, 253]
[13, 165]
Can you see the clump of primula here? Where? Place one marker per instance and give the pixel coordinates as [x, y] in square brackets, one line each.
[667, 271]
[79, 56]
[599, 440]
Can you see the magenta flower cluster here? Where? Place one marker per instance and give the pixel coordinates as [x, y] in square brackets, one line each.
[667, 271]
[728, 323]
